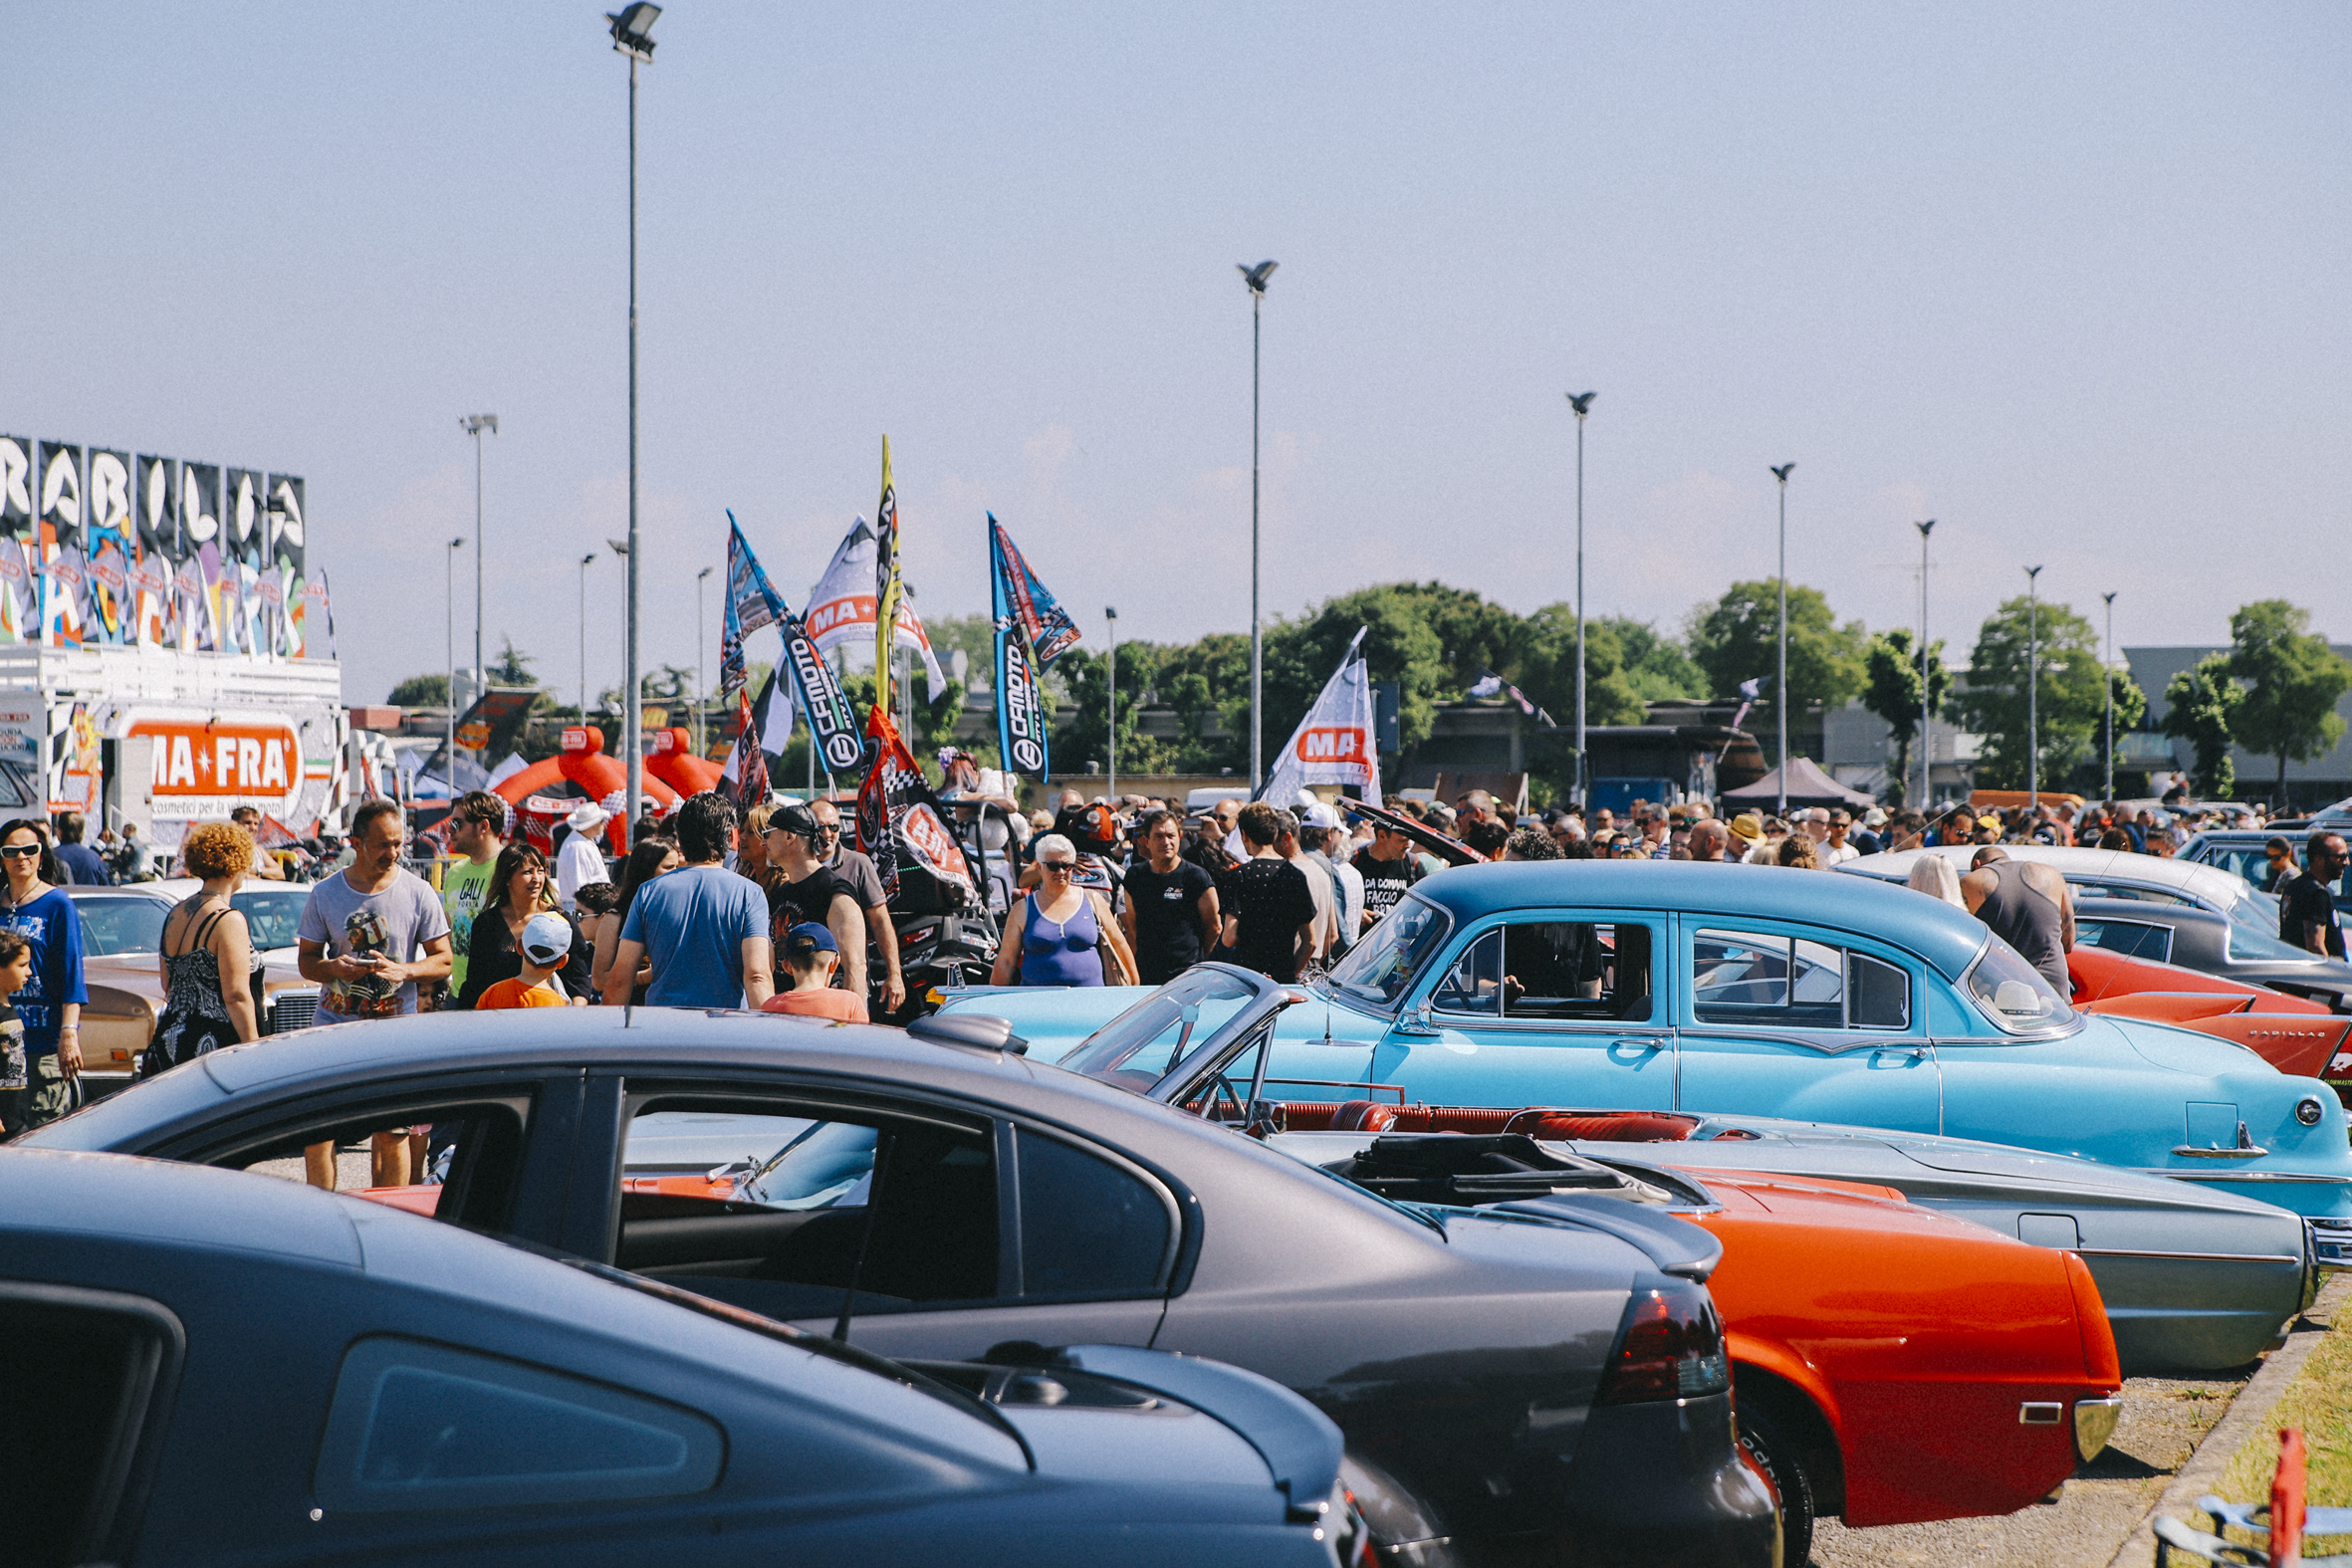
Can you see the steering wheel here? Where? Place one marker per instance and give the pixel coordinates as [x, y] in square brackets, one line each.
[1220, 1084]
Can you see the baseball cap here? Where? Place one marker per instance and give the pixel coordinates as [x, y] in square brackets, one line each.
[793, 818]
[809, 936]
[547, 939]
[1320, 814]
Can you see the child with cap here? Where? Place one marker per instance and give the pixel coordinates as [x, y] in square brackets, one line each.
[809, 954]
[545, 948]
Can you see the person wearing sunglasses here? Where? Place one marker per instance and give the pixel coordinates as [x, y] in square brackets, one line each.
[51, 1003]
[857, 869]
[1061, 933]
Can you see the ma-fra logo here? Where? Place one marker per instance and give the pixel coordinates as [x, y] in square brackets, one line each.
[1336, 744]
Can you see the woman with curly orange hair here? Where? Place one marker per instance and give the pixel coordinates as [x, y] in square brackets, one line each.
[208, 962]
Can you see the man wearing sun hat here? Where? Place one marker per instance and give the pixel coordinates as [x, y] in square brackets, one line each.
[580, 861]
[1748, 835]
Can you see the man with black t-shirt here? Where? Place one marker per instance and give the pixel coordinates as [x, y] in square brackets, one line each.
[1269, 921]
[807, 891]
[2306, 909]
[1388, 867]
[1171, 911]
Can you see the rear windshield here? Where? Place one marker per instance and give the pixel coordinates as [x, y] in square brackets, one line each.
[2012, 994]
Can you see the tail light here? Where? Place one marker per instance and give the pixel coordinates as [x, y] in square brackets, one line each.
[2099, 1359]
[1671, 1347]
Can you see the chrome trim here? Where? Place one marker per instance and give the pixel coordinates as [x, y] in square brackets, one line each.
[2186, 1258]
[2190, 1151]
[2094, 1424]
[2040, 1413]
[2240, 1176]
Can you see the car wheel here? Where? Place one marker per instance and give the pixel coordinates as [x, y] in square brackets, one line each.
[1770, 1451]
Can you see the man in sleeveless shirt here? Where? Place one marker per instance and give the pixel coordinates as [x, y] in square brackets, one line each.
[2028, 906]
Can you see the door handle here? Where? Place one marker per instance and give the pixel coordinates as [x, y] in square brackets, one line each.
[1906, 1053]
[1648, 1042]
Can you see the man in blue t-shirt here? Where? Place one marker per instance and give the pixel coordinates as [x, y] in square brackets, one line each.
[704, 928]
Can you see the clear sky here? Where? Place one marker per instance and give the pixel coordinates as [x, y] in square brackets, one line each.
[2070, 279]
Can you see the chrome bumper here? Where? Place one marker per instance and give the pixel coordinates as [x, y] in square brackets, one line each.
[2094, 1424]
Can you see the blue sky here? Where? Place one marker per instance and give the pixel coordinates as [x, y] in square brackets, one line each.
[2069, 279]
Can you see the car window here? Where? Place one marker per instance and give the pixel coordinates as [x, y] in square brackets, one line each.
[2131, 890]
[73, 1409]
[272, 915]
[2131, 938]
[1551, 969]
[1144, 1044]
[420, 1426]
[126, 923]
[2252, 944]
[906, 1207]
[1381, 968]
[2012, 994]
[1777, 981]
[1089, 1227]
[472, 1152]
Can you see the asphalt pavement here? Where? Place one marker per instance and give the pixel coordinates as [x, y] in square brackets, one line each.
[2164, 1421]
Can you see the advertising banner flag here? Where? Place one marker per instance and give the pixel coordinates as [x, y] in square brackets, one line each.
[753, 602]
[19, 489]
[1030, 630]
[745, 773]
[842, 611]
[885, 579]
[898, 820]
[1333, 742]
[1044, 624]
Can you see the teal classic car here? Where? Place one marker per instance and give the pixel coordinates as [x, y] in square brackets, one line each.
[1756, 990]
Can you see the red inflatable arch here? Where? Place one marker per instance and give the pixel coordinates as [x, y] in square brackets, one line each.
[672, 760]
[583, 765]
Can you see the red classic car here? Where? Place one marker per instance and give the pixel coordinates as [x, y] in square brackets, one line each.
[2292, 1033]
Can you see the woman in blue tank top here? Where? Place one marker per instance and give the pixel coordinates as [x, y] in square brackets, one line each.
[1055, 935]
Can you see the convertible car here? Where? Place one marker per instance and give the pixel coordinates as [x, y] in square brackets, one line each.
[1725, 988]
[440, 1398]
[1547, 1386]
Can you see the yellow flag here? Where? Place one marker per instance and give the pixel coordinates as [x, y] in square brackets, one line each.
[885, 580]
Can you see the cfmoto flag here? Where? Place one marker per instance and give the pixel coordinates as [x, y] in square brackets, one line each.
[842, 609]
[898, 821]
[1031, 629]
[745, 773]
[885, 579]
[1333, 742]
[753, 602]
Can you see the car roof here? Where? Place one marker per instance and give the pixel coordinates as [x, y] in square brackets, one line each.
[1946, 937]
[2147, 911]
[2208, 884]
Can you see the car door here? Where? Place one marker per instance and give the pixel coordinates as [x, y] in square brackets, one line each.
[1540, 1007]
[1784, 1021]
[941, 1229]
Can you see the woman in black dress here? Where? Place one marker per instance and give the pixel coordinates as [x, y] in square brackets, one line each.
[519, 888]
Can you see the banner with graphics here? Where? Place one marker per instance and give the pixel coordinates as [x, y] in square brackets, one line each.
[753, 604]
[885, 579]
[898, 821]
[1031, 629]
[842, 609]
[745, 773]
[1333, 742]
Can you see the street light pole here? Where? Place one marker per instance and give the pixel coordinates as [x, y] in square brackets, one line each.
[1111, 612]
[449, 614]
[1926, 687]
[2109, 792]
[633, 28]
[1582, 402]
[1781, 685]
[700, 577]
[586, 561]
[2033, 688]
[1256, 278]
[474, 425]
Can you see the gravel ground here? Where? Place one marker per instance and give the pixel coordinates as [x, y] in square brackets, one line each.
[350, 1169]
[2164, 1420]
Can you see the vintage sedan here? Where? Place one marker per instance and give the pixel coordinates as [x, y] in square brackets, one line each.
[440, 1398]
[2212, 944]
[1552, 1388]
[1734, 988]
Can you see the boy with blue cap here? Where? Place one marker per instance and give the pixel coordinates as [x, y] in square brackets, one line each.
[810, 956]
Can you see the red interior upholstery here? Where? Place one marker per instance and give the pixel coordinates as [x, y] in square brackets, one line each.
[1535, 1121]
[1605, 1126]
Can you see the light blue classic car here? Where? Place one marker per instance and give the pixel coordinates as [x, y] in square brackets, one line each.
[1770, 993]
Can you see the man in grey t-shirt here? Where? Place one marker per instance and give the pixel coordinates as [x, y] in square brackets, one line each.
[368, 935]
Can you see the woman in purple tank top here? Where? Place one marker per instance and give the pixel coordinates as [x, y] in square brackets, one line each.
[1056, 934]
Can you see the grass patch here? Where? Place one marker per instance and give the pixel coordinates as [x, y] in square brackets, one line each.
[2319, 1401]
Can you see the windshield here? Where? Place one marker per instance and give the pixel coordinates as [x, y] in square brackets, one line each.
[126, 923]
[831, 1163]
[1143, 1044]
[2255, 942]
[2012, 992]
[1380, 969]
[272, 915]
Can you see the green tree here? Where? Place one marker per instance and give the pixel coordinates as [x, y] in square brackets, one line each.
[2293, 680]
[1657, 666]
[1737, 639]
[1892, 691]
[509, 668]
[422, 691]
[2201, 707]
[2072, 692]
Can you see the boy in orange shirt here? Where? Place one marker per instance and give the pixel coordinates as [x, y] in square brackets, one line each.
[545, 948]
[809, 954]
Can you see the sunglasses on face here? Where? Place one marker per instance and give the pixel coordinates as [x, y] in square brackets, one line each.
[1060, 867]
[20, 851]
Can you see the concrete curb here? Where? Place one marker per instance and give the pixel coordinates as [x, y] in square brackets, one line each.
[2247, 1413]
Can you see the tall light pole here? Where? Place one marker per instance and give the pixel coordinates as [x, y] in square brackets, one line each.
[1927, 688]
[2109, 792]
[1256, 278]
[449, 612]
[700, 577]
[1781, 684]
[474, 425]
[1111, 612]
[632, 30]
[586, 561]
[2033, 688]
[1582, 402]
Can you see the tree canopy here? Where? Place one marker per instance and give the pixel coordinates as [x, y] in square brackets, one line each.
[2072, 690]
[2293, 680]
[1736, 638]
[2201, 707]
[1892, 691]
